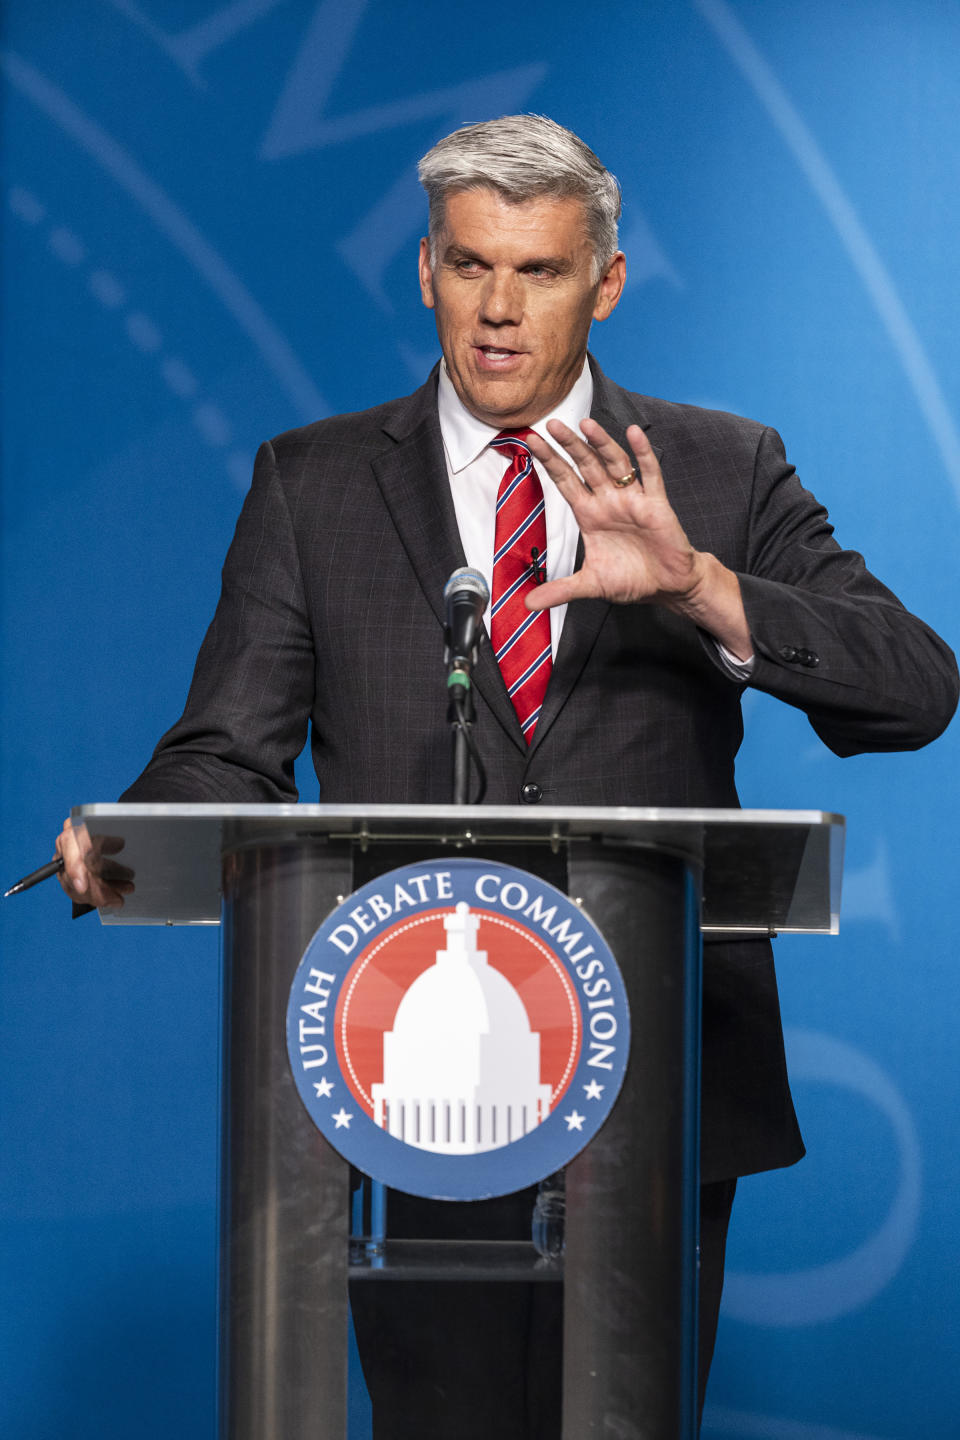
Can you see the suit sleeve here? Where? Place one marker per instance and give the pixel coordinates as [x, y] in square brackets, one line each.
[247, 712]
[828, 636]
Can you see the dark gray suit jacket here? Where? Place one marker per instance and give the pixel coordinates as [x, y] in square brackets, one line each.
[331, 614]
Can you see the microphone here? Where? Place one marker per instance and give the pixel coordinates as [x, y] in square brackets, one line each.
[467, 595]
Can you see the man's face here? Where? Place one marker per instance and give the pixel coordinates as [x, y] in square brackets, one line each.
[514, 297]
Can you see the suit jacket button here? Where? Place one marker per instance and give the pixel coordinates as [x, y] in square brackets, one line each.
[789, 653]
[809, 658]
[531, 793]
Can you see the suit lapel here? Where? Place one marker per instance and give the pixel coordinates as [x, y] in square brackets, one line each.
[412, 476]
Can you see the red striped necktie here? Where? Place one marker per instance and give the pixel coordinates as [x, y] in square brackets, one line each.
[521, 637]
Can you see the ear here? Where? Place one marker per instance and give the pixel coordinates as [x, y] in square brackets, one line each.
[611, 287]
[426, 275]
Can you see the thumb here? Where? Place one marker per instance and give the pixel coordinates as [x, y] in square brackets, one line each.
[558, 592]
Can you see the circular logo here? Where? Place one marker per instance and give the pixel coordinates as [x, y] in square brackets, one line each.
[458, 1029]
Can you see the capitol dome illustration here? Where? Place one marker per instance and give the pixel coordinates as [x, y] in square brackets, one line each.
[461, 1066]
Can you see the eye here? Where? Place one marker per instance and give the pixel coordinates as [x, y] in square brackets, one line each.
[467, 267]
[540, 272]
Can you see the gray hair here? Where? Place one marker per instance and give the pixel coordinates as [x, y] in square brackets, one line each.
[524, 157]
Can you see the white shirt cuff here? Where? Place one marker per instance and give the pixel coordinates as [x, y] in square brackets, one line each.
[736, 669]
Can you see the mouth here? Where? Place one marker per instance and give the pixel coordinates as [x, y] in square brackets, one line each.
[497, 357]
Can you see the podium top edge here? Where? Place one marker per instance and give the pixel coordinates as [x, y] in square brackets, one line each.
[578, 815]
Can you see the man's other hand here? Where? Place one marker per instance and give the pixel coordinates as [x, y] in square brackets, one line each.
[90, 876]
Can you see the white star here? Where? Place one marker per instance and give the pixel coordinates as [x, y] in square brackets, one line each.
[574, 1121]
[593, 1091]
[342, 1120]
[323, 1087]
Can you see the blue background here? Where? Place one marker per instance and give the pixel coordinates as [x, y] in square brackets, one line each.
[209, 227]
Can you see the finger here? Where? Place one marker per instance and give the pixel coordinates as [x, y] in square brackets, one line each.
[100, 892]
[111, 898]
[75, 877]
[104, 897]
[117, 875]
[651, 475]
[109, 885]
[597, 469]
[66, 838]
[560, 472]
[617, 465]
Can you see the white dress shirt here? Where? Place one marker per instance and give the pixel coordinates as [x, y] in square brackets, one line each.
[475, 470]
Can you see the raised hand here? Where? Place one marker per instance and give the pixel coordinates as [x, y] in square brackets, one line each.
[635, 549]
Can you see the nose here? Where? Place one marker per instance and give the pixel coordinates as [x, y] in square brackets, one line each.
[501, 300]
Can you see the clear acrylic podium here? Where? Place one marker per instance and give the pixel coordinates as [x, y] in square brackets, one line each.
[652, 880]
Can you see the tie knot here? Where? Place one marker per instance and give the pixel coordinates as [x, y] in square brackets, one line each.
[512, 439]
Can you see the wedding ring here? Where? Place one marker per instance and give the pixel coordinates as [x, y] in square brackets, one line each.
[625, 480]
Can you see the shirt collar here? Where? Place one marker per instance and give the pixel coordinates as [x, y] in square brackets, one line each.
[465, 437]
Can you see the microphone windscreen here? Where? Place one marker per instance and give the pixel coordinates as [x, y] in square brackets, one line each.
[469, 581]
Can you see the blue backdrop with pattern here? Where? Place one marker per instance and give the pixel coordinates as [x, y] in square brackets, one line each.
[210, 216]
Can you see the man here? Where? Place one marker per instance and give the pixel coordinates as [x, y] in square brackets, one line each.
[675, 553]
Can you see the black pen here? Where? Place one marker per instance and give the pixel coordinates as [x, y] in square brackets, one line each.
[35, 877]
